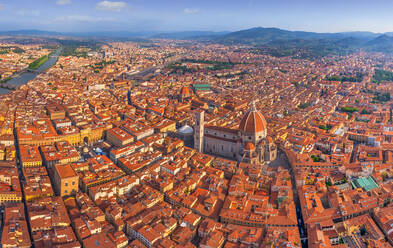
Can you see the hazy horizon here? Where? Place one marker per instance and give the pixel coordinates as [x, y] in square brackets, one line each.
[178, 31]
[185, 15]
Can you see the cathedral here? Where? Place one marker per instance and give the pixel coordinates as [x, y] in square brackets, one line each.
[249, 143]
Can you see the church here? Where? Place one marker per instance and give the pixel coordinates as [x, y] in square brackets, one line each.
[249, 143]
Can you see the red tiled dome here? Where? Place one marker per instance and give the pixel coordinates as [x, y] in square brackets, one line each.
[249, 147]
[253, 121]
[185, 91]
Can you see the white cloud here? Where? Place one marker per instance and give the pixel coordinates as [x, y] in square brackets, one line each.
[81, 18]
[63, 2]
[111, 6]
[191, 10]
[1, 6]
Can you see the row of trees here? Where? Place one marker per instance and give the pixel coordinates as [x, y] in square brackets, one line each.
[382, 75]
[358, 77]
[38, 62]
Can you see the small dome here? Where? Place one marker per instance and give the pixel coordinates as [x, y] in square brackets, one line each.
[249, 147]
[253, 122]
[186, 129]
[185, 91]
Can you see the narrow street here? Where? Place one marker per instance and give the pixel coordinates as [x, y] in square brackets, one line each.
[282, 161]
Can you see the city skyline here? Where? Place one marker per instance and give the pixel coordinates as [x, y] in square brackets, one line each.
[174, 15]
[198, 124]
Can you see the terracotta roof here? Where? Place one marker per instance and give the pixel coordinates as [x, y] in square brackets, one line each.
[185, 91]
[221, 129]
[65, 171]
[249, 147]
[253, 121]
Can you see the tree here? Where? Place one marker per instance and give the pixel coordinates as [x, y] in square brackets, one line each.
[382, 75]
[365, 112]
[349, 109]
[316, 158]
[304, 105]
[384, 175]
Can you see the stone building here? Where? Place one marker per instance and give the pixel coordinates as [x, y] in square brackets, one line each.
[249, 143]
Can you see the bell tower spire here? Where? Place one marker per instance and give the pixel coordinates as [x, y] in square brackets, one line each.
[199, 130]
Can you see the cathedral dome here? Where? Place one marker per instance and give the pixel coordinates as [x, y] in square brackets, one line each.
[253, 122]
[185, 91]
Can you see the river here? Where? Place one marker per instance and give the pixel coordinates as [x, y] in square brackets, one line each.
[27, 76]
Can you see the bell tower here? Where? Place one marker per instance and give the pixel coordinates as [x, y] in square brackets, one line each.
[199, 130]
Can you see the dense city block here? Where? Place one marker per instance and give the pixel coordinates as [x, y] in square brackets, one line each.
[175, 143]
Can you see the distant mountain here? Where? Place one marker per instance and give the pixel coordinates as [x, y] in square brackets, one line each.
[361, 34]
[259, 36]
[275, 41]
[383, 43]
[380, 40]
[189, 35]
[301, 44]
[113, 34]
[308, 48]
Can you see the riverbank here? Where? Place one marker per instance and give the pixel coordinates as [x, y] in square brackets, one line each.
[38, 62]
[5, 80]
[28, 75]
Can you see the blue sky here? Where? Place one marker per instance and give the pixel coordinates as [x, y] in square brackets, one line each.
[178, 15]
